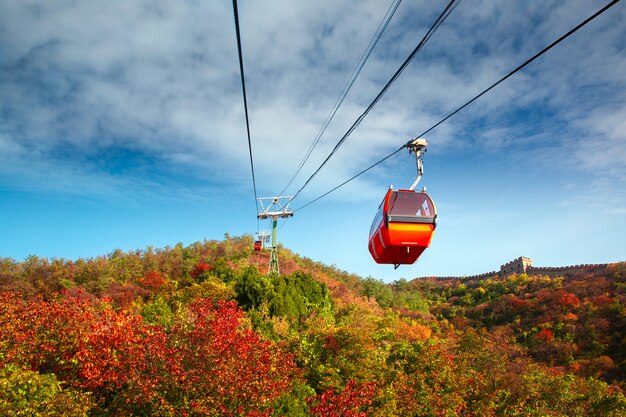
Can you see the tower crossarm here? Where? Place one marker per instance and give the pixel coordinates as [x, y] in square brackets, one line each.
[275, 207]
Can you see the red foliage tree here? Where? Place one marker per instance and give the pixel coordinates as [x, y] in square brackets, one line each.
[601, 300]
[153, 280]
[519, 304]
[121, 352]
[224, 367]
[545, 335]
[352, 401]
[124, 294]
[210, 364]
[200, 270]
[567, 300]
[86, 344]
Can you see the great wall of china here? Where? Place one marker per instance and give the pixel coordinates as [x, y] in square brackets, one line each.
[523, 265]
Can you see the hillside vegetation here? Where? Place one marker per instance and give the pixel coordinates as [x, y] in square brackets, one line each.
[201, 331]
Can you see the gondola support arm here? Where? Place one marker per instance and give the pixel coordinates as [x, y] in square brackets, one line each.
[418, 146]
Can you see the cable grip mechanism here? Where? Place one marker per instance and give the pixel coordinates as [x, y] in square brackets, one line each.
[418, 147]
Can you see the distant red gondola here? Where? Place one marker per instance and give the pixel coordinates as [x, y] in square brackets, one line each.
[258, 245]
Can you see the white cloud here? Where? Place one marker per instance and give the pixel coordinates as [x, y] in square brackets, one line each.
[162, 78]
[603, 142]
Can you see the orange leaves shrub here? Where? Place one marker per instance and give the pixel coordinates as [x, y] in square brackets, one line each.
[352, 401]
[601, 300]
[85, 344]
[209, 363]
[119, 351]
[153, 280]
[428, 381]
[44, 336]
[224, 367]
[411, 331]
[545, 335]
[568, 299]
[571, 317]
[124, 294]
[596, 367]
[518, 304]
[200, 270]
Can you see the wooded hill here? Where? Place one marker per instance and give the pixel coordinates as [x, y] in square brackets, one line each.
[200, 330]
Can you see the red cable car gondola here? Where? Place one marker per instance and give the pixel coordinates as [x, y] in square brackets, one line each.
[403, 227]
[405, 222]
[258, 245]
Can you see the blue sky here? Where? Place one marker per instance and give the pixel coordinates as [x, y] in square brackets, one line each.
[122, 126]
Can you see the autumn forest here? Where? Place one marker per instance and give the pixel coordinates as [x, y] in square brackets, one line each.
[200, 330]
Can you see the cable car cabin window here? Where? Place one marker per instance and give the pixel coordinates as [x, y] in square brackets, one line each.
[411, 207]
[377, 219]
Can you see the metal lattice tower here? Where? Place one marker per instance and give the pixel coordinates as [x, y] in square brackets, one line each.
[274, 208]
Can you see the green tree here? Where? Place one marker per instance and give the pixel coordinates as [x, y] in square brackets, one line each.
[28, 393]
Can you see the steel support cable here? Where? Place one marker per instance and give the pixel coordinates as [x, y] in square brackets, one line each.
[350, 179]
[524, 64]
[355, 74]
[442, 17]
[284, 222]
[245, 104]
[537, 55]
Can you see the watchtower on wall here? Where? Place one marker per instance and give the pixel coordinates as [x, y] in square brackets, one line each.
[516, 266]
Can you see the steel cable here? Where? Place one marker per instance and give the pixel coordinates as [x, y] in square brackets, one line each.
[245, 104]
[442, 17]
[518, 68]
[355, 73]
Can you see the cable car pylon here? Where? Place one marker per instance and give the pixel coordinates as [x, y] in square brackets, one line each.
[274, 208]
